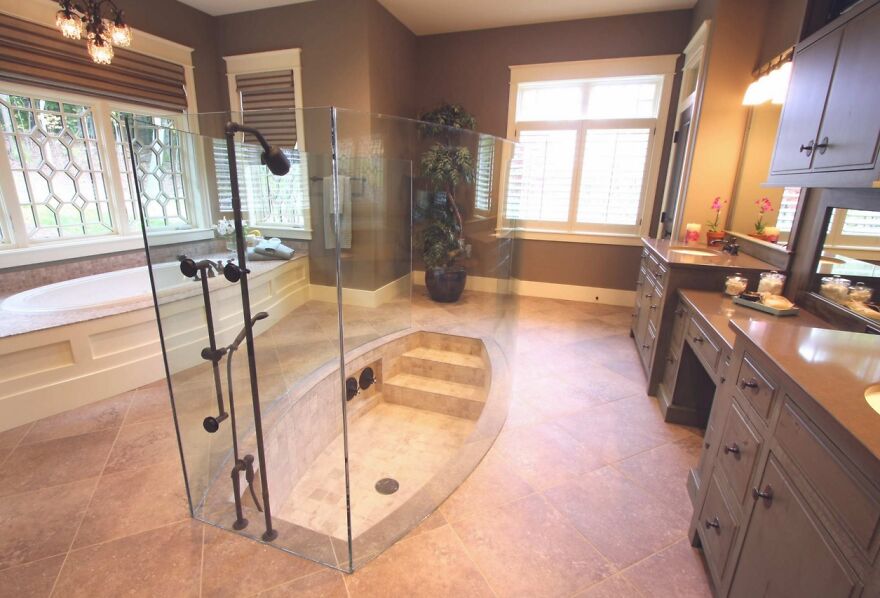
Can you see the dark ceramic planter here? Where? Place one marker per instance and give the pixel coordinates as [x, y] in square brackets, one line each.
[445, 285]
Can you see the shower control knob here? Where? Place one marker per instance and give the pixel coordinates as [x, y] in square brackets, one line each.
[233, 271]
[212, 424]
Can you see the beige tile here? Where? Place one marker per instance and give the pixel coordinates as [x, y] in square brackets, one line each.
[677, 572]
[431, 564]
[238, 566]
[324, 584]
[492, 483]
[54, 462]
[621, 519]
[527, 548]
[41, 523]
[9, 439]
[34, 580]
[161, 562]
[133, 501]
[614, 587]
[431, 522]
[143, 444]
[149, 403]
[107, 414]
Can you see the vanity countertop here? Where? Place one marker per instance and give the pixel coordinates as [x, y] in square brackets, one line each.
[718, 310]
[665, 250]
[833, 367]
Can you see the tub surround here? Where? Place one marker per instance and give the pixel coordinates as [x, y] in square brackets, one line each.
[786, 494]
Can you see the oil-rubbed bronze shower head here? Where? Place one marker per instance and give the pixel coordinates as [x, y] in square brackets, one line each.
[272, 156]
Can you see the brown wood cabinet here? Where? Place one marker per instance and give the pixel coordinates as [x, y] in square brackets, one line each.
[829, 131]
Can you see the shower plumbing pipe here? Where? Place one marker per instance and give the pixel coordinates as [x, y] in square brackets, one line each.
[277, 163]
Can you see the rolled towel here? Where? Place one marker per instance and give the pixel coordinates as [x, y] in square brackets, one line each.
[274, 248]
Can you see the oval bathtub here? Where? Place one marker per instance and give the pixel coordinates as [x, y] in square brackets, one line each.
[70, 343]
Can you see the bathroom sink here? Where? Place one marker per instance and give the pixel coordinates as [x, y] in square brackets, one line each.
[691, 251]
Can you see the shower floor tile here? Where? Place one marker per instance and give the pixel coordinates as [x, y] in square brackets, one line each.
[388, 441]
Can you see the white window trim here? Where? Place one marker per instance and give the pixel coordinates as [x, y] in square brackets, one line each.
[261, 62]
[21, 252]
[663, 65]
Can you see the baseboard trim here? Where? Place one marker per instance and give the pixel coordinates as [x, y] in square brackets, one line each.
[547, 290]
[362, 297]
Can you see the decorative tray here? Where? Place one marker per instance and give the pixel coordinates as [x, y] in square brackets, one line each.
[766, 309]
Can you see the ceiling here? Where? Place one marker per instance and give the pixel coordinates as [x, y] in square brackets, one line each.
[426, 17]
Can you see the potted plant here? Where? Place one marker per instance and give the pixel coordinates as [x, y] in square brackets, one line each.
[713, 235]
[446, 165]
[764, 206]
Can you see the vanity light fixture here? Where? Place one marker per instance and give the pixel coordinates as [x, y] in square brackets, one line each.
[101, 21]
[771, 84]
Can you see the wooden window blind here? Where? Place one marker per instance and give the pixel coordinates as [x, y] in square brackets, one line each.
[37, 55]
[267, 104]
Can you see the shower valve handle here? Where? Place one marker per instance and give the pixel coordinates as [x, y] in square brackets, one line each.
[233, 271]
[212, 424]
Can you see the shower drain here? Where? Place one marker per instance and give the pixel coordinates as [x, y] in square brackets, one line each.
[387, 486]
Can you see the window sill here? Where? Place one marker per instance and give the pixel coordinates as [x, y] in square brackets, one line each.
[53, 252]
[299, 234]
[633, 240]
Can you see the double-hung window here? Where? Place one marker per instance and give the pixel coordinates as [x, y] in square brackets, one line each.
[589, 138]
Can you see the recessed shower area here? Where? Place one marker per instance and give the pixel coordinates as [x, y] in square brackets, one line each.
[328, 408]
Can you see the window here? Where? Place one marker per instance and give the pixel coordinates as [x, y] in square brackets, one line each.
[589, 135]
[853, 229]
[484, 174]
[787, 208]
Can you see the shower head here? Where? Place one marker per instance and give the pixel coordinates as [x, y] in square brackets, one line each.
[272, 156]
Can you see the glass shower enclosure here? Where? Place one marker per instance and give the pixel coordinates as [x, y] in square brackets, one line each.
[324, 403]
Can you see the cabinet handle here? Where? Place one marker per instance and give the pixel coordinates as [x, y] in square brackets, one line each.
[713, 523]
[744, 384]
[821, 147]
[646, 346]
[698, 339]
[766, 493]
[671, 359]
[808, 148]
[733, 448]
[653, 307]
[649, 295]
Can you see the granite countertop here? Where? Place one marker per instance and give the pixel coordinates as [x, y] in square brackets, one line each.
[14, 323]
[664, 249]
[831, 366]
[718, 310]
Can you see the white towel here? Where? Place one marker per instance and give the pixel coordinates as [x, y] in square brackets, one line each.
[344, 217]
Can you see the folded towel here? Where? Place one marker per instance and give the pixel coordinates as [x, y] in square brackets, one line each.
[344, 213]
[271, 249]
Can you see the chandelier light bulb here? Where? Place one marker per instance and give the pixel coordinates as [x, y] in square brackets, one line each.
[101, 51]
[69, 24]
[120, 34]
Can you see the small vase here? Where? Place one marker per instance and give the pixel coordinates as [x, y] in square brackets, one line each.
[231, 245]
[714, 236]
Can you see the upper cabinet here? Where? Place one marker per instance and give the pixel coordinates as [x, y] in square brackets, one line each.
[829, 131]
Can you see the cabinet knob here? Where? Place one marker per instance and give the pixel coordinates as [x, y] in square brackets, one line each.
[766, 493]
[710, 523]
[744, 384]
[821, 147]
[653, 307]
[671, 359]
[733, 448]
[646, 346]
[698, 339]
[808, 149]
[649, 295]
[679, 312]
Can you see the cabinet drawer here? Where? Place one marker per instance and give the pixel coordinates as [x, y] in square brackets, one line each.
[647, 344]
[679, 324]
[855, 507]
[705, 345]
[718, 528]
[655, 307]
[754, 386]
[738, 451]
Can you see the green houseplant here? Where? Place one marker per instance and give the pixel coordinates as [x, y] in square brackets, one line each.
[446, 165]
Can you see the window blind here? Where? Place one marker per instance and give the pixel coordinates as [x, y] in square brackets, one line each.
[485, 172]
[542, 170]
[36, 55]
[268, 103]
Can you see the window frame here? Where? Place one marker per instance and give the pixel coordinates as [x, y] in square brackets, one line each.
[18, 250]
[571, 230]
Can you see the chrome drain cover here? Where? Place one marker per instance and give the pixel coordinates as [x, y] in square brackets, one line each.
[387, 486]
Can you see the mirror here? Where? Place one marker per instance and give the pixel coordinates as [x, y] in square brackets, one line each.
[848, 268]
[749, 213]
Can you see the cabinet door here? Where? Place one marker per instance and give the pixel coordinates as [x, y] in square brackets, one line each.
[802, 113]
[785, 553]
[852, 114]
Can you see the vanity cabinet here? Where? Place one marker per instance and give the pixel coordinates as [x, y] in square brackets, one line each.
[790, 504]
[829, 131]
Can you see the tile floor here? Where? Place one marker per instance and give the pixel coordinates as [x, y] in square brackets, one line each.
[581, 495]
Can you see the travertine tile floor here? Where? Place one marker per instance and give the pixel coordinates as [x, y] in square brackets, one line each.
[581, 495]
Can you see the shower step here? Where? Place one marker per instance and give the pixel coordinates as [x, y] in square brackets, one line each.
[451, 342]
[463, 368]
[431, 394]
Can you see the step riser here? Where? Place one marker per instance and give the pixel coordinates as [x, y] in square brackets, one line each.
[441, 370]
[456, 344]
[430, 401]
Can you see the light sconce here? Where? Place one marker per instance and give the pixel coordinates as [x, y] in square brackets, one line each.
[100, 20]
[771, 84]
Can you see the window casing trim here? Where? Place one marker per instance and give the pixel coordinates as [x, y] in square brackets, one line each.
[663, 65]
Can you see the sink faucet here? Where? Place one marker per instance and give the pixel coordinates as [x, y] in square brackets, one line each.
[731, 246]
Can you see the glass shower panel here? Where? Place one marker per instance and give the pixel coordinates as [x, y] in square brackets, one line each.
[228, 453]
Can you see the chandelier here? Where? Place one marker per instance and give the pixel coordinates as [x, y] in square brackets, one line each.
[100, 21]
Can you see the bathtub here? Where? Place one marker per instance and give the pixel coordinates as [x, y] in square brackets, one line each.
[75, 342]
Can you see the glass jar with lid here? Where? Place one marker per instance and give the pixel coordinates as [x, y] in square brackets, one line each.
[771, 282]
[735, 284]
[835, 288]
[860, 293]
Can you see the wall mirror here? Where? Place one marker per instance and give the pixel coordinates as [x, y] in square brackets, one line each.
[761, 213]
[847, 269]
